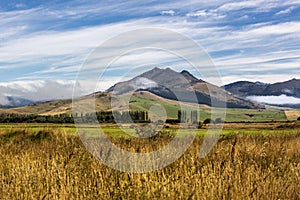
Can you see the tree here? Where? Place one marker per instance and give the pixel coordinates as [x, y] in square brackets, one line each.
[219, 121]
[207, 121]
[199, 124]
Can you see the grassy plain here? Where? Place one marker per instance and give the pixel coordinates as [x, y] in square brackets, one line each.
[232, 114]
[50, 162]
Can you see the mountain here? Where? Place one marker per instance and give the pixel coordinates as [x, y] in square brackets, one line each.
[170, 84]
[282, 93]
[157, 86]
[11, 102]
[21, 93]
[245, 88]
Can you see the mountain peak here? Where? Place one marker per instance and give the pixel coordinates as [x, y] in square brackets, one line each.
[158, 71]
[165, 77]
[189, 76]
[155, 69]
[169, 75]
[260, 83]
[294, 80]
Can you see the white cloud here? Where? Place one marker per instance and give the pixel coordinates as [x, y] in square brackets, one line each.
[4, 101]
[167, 12]
[20, 5]
[202, 13]
[259, 5]
[242, 60]
[263, 37]
[206, 14]
[288, 91]
[286, 11]
[281, 28]
[36, 90]
[143, 83]
[277, 100]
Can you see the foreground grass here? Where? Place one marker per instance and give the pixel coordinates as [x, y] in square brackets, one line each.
[50, 164]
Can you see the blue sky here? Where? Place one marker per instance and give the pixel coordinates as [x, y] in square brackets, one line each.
[247, 40]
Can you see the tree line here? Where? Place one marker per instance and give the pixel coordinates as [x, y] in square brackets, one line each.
[32, 118]
[112, 117]
[101, 117]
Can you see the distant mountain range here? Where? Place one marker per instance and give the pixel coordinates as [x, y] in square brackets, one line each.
[281, 94]
[22, 93]
[12, 102]
[164, 85]
[245, 88]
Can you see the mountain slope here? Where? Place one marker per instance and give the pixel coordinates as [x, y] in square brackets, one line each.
[62, 106]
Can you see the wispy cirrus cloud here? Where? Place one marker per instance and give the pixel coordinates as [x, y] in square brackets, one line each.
[258, 5]
[168, 12]
[52, 40]
[207, 14]
[286, 11]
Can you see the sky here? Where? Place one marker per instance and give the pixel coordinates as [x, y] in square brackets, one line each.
[48, 41]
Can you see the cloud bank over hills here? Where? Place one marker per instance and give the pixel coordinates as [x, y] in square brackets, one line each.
[285, 93]
[275, 100]
[21, 93]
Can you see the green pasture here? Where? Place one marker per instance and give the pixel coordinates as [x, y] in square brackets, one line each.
[232, 114]
[114, 131]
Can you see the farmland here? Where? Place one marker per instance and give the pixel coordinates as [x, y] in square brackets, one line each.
[50, 162]
[232, 114]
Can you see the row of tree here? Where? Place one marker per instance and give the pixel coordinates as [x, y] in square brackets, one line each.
[106, 117]
[31, 118]
[112, 117]
[102, 117]
[188, 117]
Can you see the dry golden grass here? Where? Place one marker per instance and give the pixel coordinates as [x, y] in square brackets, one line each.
[292, 114]
[263, 125]
[51, 165]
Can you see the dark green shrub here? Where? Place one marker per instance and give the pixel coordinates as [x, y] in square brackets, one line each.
[207, 121]
[219, 121]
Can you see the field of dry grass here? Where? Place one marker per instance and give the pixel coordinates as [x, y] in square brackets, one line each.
[292, 114]
[48, 164]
